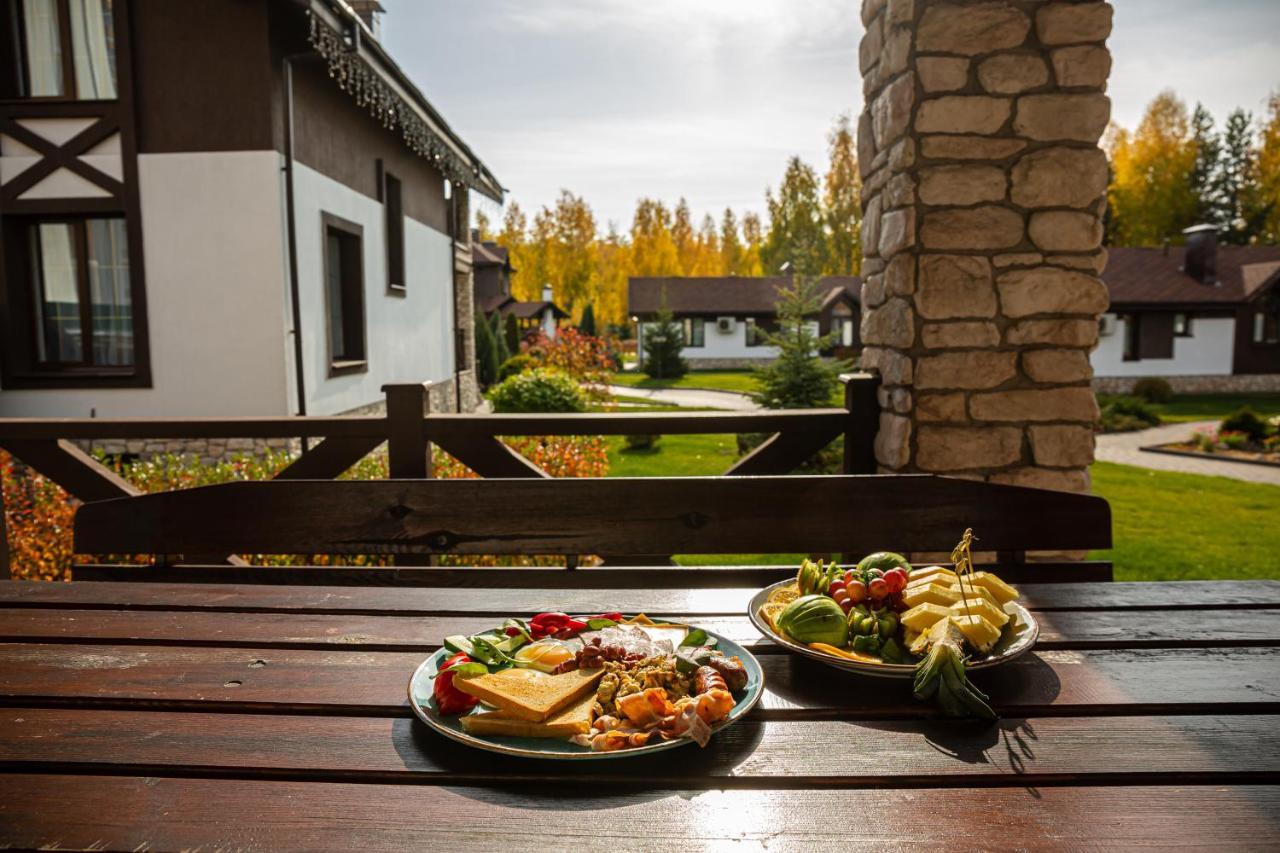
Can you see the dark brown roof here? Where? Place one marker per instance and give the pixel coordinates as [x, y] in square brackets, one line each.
[505, 305]
[488, 252]
[726, 294]
[1155, 277]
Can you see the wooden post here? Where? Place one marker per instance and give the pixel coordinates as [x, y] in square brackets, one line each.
[408, 453]
[864, 422]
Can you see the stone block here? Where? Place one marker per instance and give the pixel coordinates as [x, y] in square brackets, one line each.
[891, 111]
[1039, 404]
[1073, 23]
[896, 54]
[893, 441]
[1062, 333]
[962, 184]
[955, 287]
[1057, 365]
[1012, 73]
[972, 333]
[902, 155]
[897, 231]
[969, 147]
[1062, 446]
[1081, 66]
[900, 13]
[1075, 262]
[1081, 118]
[900, 276]
[955, 448]
[942, 73]
[893, 324]
[971, 29]
[1064, 231]
[962, 114]
[968, 370]
[871, 228]
[1049, 290]
[1018, 259]
[1043, 478]
[1059, 177]
[940, 407]
[871, 46]
[895, 368]
[866, 144]
[871, 8]
[873, 291]
[987, 227]
[900, 191]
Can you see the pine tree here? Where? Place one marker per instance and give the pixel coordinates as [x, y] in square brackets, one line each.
[797, 226]
[683, 236]
[1207, 164]
[843, 189]
[798, 378]
[1269, 171]
[511, 333]
[730, 243]
[486, 352]
[663, 343]
[588, 323]
[501, 352]
[753, 243]
[1239, 207]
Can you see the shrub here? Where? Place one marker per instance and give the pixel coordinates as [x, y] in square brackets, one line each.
[539, 390]
[1247, 421]
[1126, 414]
[1271, 444]
[1153, 390]
[1205, 442]
[587, 325]
[486, 352]
[516, 364]
[642, 442]
[1234, 440]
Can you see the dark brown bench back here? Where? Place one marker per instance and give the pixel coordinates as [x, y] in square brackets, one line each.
[643, 516]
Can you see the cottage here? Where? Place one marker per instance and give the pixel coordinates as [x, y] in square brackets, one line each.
[492, 265]
[1204, 316]
[724, 317]
[220, 207]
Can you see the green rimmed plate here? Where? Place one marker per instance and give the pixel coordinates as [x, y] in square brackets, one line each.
[424, 707]
[1016, 638]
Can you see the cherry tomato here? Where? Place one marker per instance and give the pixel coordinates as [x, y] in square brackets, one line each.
[849, 577]
[857, 592]
[896, 579]
[449, 699]
[846, 605]
[836, 586]
[841, 597]
[878, 588]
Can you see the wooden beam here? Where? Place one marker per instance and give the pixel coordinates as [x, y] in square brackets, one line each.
[863, 408]
[330, 458]
[77, 472]
[781, 453]
[408, 454]
[489, 457]
[685, 515]
[440, 427]
[100, 428]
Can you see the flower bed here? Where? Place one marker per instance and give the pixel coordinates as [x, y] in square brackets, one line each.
[1242, 437]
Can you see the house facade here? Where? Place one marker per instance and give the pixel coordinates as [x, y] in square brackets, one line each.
[225, 207]
[1204, 316]
[725, 318]
[492, 272]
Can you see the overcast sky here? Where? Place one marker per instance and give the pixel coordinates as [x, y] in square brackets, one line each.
[617, 99]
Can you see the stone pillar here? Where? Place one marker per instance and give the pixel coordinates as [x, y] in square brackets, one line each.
[983, 192]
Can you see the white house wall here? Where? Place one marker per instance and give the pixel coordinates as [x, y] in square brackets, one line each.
[1208, 352]
[718, 344]
[408, 338]
[215, 290]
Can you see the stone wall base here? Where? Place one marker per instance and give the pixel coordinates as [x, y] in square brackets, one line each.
[1239, 383]
[726, 363]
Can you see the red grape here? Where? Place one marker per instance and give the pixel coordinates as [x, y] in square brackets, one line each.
[835, 587]
[857, 591]
[896, 579]
[846, 605]
[878, 588]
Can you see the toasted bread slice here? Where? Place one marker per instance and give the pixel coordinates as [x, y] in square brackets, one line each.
[574, 720]
[527, 694]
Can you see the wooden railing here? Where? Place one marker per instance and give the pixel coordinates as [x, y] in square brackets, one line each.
[408, 428]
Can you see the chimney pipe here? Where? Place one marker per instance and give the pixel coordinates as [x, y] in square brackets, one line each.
[1201, 258]
[546, 292]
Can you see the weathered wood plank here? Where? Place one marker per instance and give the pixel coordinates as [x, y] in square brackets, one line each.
[1059, 683]
[136, 813]
[693, 515]
[513, 598]
[444, 426]
[863, 422]
[1074, 629]
[936, 753]
[77, 472]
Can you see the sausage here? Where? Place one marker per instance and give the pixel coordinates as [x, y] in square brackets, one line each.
[706, 679]
[731, 670]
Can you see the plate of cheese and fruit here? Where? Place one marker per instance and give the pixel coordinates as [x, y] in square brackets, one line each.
[884, 617]
[585, 687]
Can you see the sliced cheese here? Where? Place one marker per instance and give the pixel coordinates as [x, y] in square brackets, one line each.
[930, 594]
[999, 588]
[922, 616]
[930, 575]
[980, 633]
[967, 590]
[983, 608]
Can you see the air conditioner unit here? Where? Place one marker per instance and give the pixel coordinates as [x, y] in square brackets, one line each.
[1106, 325]
[725, 324]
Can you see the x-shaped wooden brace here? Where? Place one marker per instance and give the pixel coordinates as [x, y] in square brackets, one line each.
[54, 157]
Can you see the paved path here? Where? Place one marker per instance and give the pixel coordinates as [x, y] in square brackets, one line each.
[1123, 447]
[695, 397]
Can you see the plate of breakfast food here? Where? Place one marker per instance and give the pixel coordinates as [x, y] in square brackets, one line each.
[560, 686]
[885, 617]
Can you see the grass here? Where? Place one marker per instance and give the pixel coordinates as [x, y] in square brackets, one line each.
[1210, 407]
[674, 456]
[738, 381]
[1171, 526]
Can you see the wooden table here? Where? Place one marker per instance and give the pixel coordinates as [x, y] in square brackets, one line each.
[154, 717]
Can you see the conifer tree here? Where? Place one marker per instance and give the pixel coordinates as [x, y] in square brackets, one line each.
[588, 323]
[663, 343]
[797, 227]
[486, 352]
[798, 378]
[511, 332]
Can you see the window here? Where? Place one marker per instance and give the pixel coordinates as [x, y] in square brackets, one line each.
[752, 337]
[41, 64]
[695, 332]
[81, 296]
[344, 294]
[846, 332]
[394, 213]
[1266, 326]
[1182, 325]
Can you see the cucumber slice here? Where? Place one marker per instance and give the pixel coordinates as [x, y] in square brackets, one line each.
[459, 643]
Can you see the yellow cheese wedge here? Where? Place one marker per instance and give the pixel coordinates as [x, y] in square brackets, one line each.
[999, 588]
[983, 608]
[930, 594]
[974, 591]
[931, 575]
[922, 616]
[980, 633]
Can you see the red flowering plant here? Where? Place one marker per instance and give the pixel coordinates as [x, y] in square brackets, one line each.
[586, 358]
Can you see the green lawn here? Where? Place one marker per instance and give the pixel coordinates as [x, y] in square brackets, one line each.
[1215, 407]
[1170, 526]
[739, 381]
